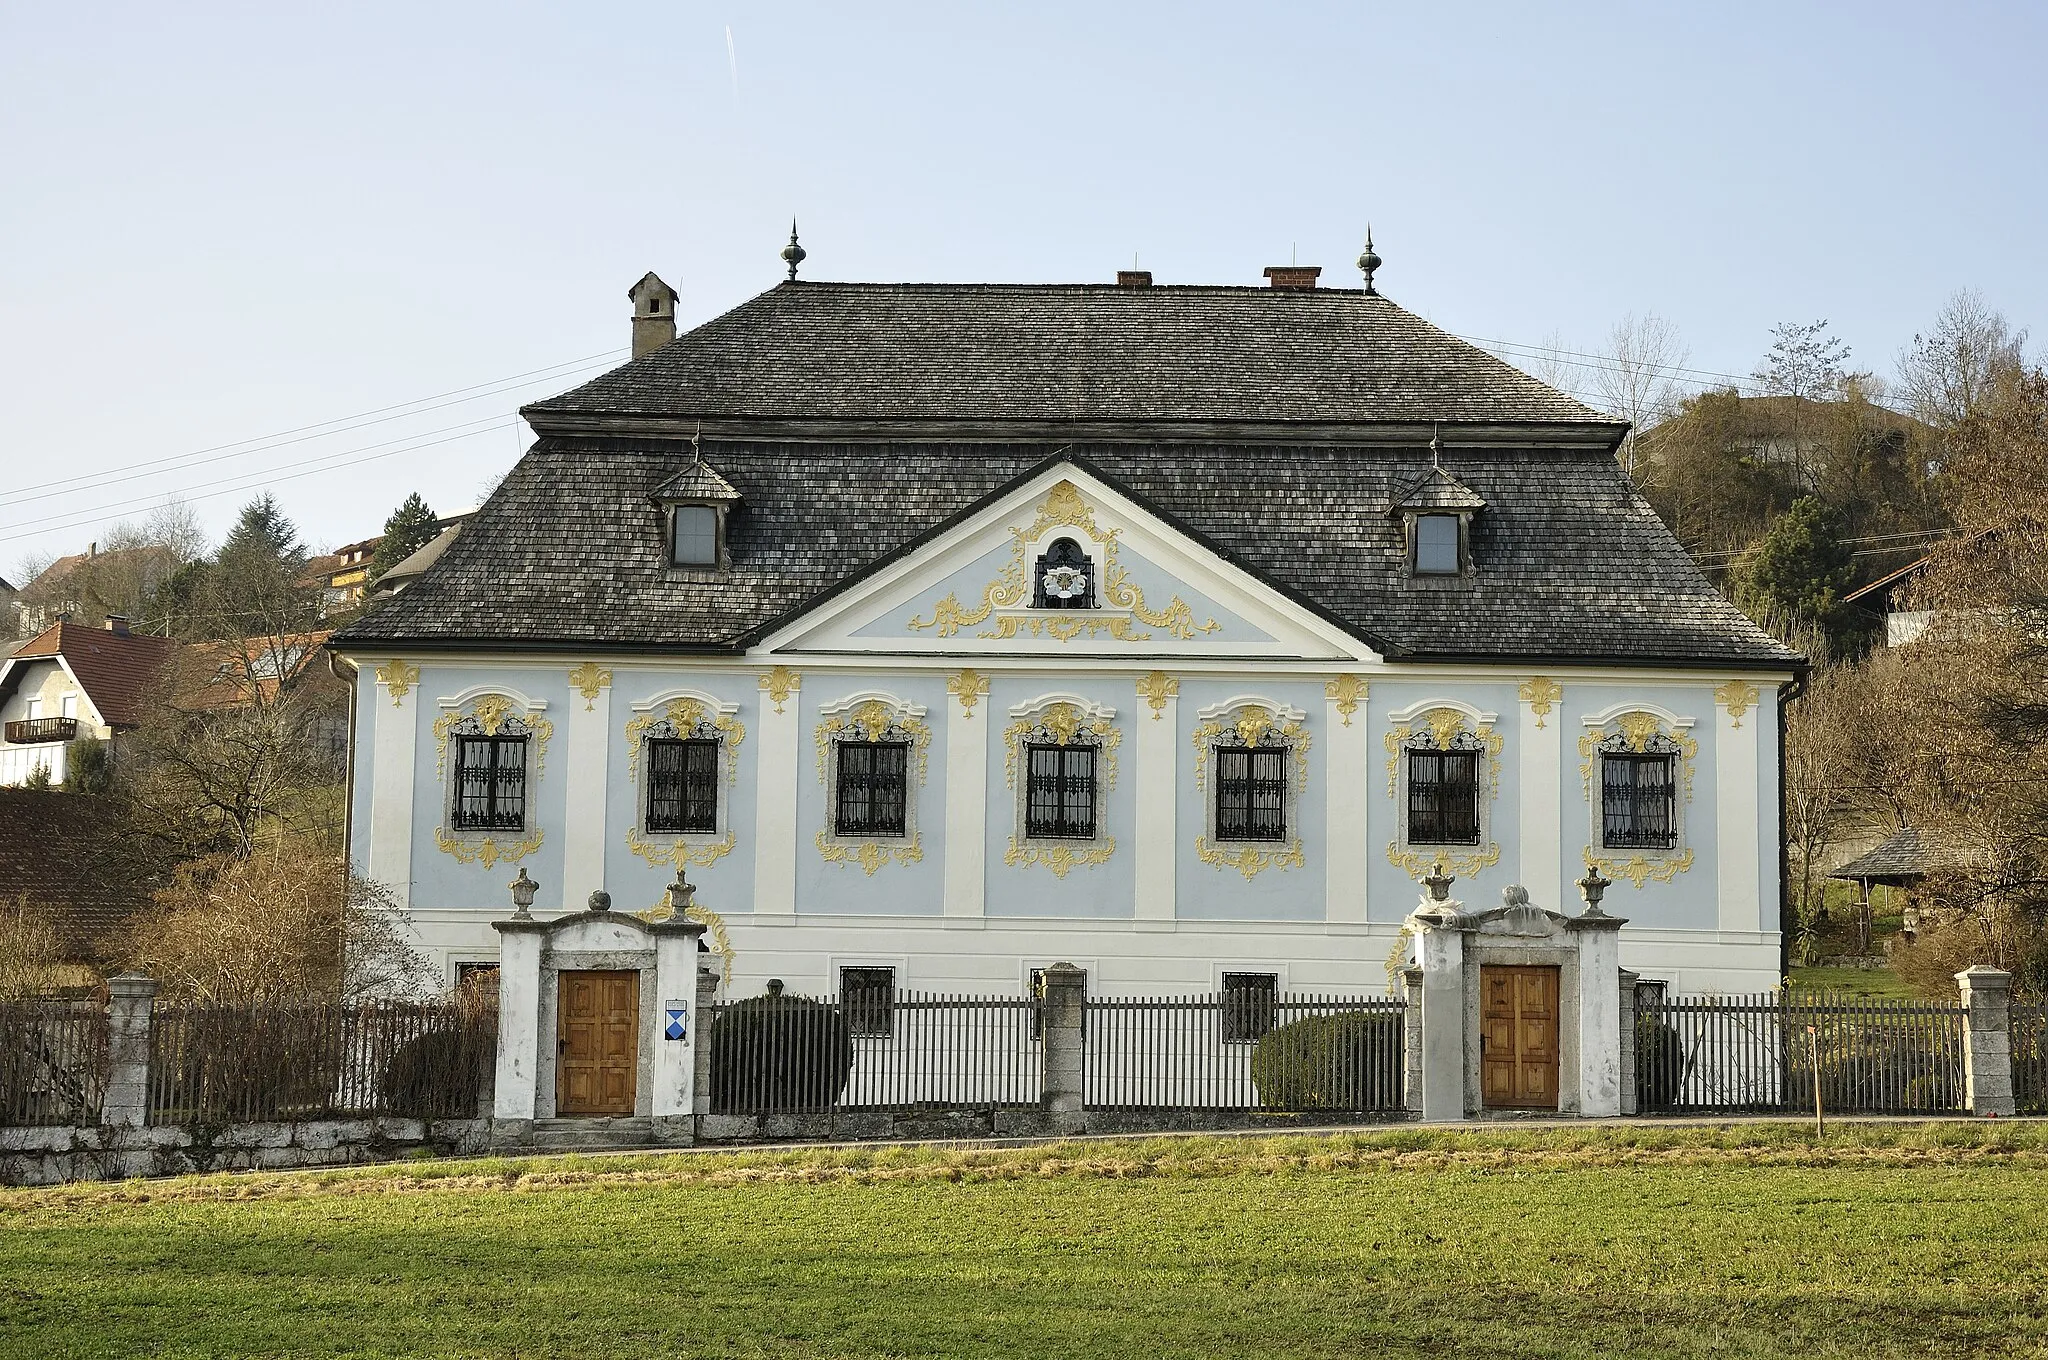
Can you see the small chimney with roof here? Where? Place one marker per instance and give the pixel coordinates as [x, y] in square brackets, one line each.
[1134, 278]
[654, 314]
[1295, 276]
[117, 624]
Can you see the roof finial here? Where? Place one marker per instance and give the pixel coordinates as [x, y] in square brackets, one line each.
[696, 444]
[1368, 262]
[792, 254]
[1436, 449]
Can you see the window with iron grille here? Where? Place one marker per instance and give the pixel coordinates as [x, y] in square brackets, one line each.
[1059, 792]
[867, 999]
[490, 783]
[1443, 797]
[1249, 1000]
[682, 785]
[1638, 801]
[873, 788]
[1251, 793]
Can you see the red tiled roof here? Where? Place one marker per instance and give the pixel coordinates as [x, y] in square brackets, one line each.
[222, 674]
[117, 670]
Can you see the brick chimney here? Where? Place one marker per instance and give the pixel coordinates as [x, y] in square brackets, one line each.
[1293, 275]
[654, 314]
[117, 624]
[1134, 278]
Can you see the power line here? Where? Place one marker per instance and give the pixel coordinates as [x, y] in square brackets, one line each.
[338, 425]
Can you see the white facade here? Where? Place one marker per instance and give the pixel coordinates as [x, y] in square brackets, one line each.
[943, 649]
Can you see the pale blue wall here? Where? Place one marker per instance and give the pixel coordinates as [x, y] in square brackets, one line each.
[1103, 890]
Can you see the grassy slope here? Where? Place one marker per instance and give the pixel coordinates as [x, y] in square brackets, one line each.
[1411, 1242]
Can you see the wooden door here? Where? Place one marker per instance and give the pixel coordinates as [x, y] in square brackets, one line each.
[1518, 1037]
[597, 1042]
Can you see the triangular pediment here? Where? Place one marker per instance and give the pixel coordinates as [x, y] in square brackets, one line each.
[989, 585]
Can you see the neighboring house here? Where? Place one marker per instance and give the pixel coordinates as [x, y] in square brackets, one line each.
[89, 587]
[72, 681]
[410, 568]
[222, 675]
[1885, 599]
[66, 855]
[944, 632]
[343, 576]
[9, 605]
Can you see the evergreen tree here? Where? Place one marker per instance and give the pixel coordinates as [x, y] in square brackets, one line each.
[411, 527]
[263, 534]
[1797, 574]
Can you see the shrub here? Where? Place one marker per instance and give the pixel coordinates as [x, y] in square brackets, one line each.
[1348, 1061]
[442, 1074]
[778, 1052]
[1660, 1064]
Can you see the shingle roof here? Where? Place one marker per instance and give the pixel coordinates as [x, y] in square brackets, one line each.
[1439, 490]
[697, 482]
[1067, 352]
[1569, 563]
[118, 670]
[1900, 858]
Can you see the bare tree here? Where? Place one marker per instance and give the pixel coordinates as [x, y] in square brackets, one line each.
[1638, 379]
[1947, 373]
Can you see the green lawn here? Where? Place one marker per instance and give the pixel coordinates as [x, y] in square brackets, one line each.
[1882, 982]
[1889, 1240]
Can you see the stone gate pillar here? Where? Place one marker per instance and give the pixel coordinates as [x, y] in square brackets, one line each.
[1438, 926]
[1987, 1040]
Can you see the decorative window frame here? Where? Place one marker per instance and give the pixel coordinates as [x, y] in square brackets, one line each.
[1062, 720]
[721, 553]
[1640, 728]
[1120, 613]
[1251, 720]
[683, 714]
[1443, 725]
[872, 715]
[490, 711]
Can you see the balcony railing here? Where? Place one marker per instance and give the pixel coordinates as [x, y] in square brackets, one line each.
[41, 729]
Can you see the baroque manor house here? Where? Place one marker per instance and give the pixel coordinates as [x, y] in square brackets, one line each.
[1176, 632]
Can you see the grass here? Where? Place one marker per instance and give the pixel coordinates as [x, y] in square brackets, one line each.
[1877, 982]
[1749, 1240]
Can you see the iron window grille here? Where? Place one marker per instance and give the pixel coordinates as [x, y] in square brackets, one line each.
[873, 788]
[1059, 792]
[867, 999]
[1251, 793]
[1638, 801]
[682, 785]
[1249, 1003]
[490, 783]
[1065, 578]
[1443, 797]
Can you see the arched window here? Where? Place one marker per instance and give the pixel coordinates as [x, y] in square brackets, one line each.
[1065, 578]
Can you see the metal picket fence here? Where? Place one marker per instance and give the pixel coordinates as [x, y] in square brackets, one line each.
[53, 1061]
[2029, 1021]
[230, 1064]
[1766, 1052]
[883, 1051]
[1239, 1051]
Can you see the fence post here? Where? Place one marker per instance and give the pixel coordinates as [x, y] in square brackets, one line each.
[707, 996]
[131, 1003]
[1411, 1041]
[1064, 1008]
[1987, 1040]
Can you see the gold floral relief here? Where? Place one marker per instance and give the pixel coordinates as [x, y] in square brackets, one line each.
[1439, 728]
[714, 930]
[1253, 725]
[1156, 687]
[590, 679]
[1346, 691]
[1637, 731]
[399, 677]
[870, 855]
[1738, 697]
[1250, 860]
[1062, 859]
[1640, 868]
[1540, 692]
[1065, 724]
[873, 720]
[687, 717]
[780, 684]
[490, 714]
[485, 850]
[968, 686]
[680, 852]
[1416, 860]
[1063, 507]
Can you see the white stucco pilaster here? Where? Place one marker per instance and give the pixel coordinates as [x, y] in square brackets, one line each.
[966, 846]
[395, 736]
[1544, 870]
[775, 783]
[589, 763]
[1738, 838]
[1346, 805]
[1158, 722]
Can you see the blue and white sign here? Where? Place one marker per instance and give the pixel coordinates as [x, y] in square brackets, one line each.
[677, 1025]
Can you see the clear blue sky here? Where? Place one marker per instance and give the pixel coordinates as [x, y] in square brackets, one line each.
[221, 222]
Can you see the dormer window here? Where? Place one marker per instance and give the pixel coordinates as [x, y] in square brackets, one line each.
[1436, 545]
[1065, 578]
[1436, 519]
[695, 536]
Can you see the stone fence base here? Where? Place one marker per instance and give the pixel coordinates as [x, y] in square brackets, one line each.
[50, 1156]
[1018, 1123]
